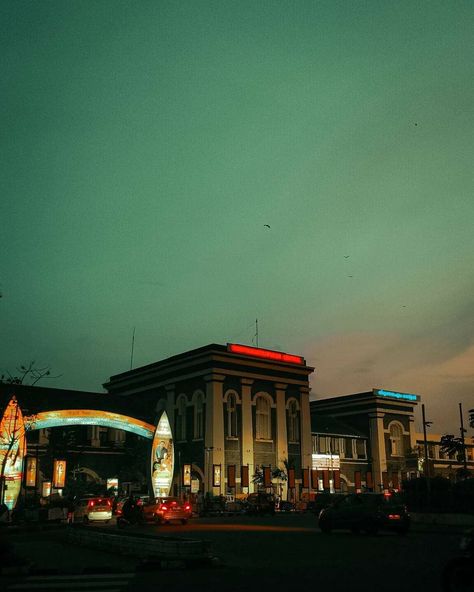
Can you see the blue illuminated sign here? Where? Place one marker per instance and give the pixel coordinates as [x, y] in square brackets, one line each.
[395, 395]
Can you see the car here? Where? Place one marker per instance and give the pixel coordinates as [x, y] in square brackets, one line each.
[261, 503]
[323, 500]
[93, 509]
[367, 512]
[163, 510]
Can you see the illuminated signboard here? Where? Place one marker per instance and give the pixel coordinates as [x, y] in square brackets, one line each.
[326, 462]
[187, 475]
[59, 474]
[12, 452]
[71, 417]
[31, 465]
[162, 458]
[266, 354]
[216, 481]
[46, 489]
[112, 483]
[395, 395]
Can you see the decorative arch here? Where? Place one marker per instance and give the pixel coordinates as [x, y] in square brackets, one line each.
[232, 392]
[72, 417]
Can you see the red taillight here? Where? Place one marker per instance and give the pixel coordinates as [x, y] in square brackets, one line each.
[173, 503]
[187, 507]
[164, 508]
[394, 516]
[109, 503]
[91, 503]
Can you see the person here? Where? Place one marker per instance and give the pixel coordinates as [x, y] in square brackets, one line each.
[131, 511]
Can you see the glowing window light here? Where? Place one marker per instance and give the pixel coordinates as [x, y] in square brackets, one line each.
[266, 354]
[71, 417]
[395, 395]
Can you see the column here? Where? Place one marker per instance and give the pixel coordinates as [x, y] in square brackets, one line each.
[247, 426]
[377, 446]
[281, 431]
[305, 418]
[214, 435]
[168, 405]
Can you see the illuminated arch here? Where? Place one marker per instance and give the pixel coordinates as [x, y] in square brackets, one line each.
[73, 417]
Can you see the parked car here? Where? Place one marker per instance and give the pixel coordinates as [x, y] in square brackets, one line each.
[93, 509]
[163, 510]
[261, 503]
[368, 512]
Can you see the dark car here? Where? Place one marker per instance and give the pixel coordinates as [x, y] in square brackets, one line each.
[260, 503]
[323, 500]
[367, 512]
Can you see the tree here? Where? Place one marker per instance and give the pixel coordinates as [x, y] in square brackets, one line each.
[452, 445]
[29, 374]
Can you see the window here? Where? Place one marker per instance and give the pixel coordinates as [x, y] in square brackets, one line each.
[198, 416]
[263, 419]
[360, 448]
[348, 451]
[396, 439]
[181, 419]
[293, 422]
[232, 415]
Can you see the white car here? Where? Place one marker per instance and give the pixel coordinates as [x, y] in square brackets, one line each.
[93, 509]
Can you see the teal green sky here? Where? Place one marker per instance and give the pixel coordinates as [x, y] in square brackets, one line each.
[144, 146]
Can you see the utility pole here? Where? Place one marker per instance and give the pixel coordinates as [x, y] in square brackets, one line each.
[464, 457]
[426, 465]
[133, 345]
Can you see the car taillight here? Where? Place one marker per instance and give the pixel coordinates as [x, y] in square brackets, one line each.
[109, 503]
[91, 503]
[173, 503]
[394, 516]
[164, 508]
[187, 507]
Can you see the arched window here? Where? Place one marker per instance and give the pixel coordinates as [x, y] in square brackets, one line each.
[263, 426]
[232, 415]
[198, 416]
[181, 419]
[396, 439]
[292, 419]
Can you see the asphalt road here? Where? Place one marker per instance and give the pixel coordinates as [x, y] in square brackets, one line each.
[281, 552]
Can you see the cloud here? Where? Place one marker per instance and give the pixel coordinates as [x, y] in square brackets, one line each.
[434, 365]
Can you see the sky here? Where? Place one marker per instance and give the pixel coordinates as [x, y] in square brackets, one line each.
[146, 145]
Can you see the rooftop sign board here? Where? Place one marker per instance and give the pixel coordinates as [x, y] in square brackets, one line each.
[395, 395]
[265, 354]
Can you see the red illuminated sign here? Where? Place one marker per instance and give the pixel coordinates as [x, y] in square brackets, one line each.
[266, 354]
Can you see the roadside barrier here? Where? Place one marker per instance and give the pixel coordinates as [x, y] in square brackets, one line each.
[143, 546]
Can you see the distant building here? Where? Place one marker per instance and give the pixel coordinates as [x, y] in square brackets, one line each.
[370, 436]
[440, 464]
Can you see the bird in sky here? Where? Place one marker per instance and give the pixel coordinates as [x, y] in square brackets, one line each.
[346, 256]
[267, 226]
[350, 276]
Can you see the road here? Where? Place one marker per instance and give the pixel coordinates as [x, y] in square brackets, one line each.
[278, 552]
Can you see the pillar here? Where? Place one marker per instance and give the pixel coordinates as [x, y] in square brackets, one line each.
[247, 426]
[377, 446]
[214, 432]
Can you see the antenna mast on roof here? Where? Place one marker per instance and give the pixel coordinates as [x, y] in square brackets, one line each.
[256, 330]
[133, 345]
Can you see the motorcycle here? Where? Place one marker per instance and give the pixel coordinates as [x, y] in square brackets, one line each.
[458, 574]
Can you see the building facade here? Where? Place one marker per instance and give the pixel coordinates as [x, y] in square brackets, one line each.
[234, 409]
[370, 435]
